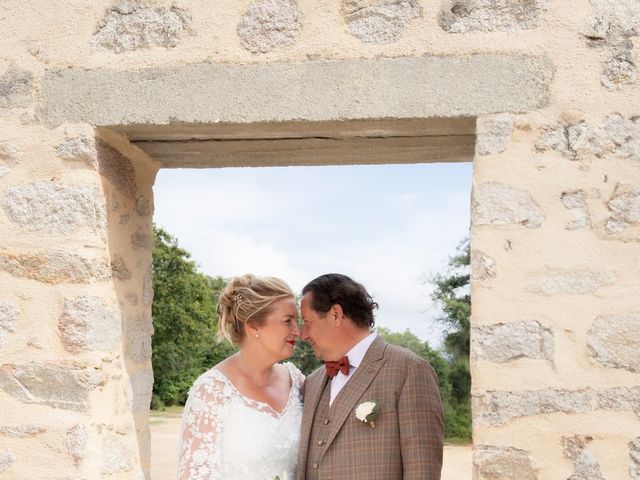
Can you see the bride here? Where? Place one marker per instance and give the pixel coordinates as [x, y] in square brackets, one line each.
[242, 418]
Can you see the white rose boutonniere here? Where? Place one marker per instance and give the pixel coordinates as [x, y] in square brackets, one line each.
[368, 412]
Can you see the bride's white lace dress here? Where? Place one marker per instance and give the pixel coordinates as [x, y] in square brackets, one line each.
[228, 436]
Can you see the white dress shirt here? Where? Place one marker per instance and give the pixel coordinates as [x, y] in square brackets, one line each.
[356, 354]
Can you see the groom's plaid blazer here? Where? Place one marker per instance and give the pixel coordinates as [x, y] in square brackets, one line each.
[406, 442]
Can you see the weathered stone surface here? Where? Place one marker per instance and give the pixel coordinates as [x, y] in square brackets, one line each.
[6, 459]
[119, 268]
[55, 266]
[21, 431]
[116, 456]
[613, 17]
[625, 211]
[614, 341]
[140, 391]
[147, 287]
[76, 443]
[269, 24]
[88, 323]
[82, 149]
[493, 133]
[586, 467]
[9, 314]
[576, 201]
[9, 157]
[59, 386]
[498, 204]
[510, 341]
[15, 88]
[570, 282]
[117, 168]
[130, 26]
[55, 208]
[618, 399]
[634, 459]
[482, 266]
[577, 141]
[572, 446]
[139, 330]
[504, 463]
[143, 206]
[460, 16]
[421, 87]
[139, 239]
[499, 407]
[619, 69]
[379, 21]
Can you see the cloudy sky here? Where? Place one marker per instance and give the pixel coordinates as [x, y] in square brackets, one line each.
[388, 227]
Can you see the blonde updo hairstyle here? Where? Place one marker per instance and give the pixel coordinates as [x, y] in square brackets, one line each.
[245, 299]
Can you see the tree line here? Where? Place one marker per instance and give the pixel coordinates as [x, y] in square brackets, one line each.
[185, 323]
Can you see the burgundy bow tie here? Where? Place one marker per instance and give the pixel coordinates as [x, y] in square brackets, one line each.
[341, 365]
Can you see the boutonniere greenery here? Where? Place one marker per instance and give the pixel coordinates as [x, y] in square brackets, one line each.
[368, 412]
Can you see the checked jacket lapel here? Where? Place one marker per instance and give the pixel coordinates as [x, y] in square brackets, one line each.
[347, 400]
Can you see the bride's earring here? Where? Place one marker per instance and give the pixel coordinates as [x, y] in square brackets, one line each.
[257, 334]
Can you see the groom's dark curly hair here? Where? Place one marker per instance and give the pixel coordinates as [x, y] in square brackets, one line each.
[334, 288]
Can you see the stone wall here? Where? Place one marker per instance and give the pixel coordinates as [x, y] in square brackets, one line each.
[555, 204]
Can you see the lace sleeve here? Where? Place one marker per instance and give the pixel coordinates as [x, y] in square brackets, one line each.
[199, 450]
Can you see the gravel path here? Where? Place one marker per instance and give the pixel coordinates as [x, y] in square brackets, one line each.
[165, 430]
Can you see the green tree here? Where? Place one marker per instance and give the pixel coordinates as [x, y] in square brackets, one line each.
[304, 358]
[184, 319]
[452, 295]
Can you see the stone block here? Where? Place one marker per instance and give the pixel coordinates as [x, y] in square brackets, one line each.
[131, 25]
[9, 157]
[499, 407]
[576, 202]
[116, 455]
[79, 149]
[586, 467]
[634, 459]
[510, 341]
[269, 24]
[483, 266]
[379, 21]
[55, 266]
[493, 133]
[76, 443]
[614, 341]
[55, 208]
[461, 16]
[9, 314]
[21, 431]
[503, 463]
[15, 88]
[88, 323]
[58, 386]
[6, 459]
[625, 211]
[570, 282]
[615, 136]
[497, 204]
[574, 445]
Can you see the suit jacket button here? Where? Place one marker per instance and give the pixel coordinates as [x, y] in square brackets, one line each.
[320, 442]
[315, 465]
[326, 421]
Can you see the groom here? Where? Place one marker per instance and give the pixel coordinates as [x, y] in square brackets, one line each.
[405, 439]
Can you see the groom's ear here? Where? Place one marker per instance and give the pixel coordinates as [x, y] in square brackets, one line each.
[337, 314]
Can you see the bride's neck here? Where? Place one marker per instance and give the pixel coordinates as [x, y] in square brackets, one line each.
[259, 370]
